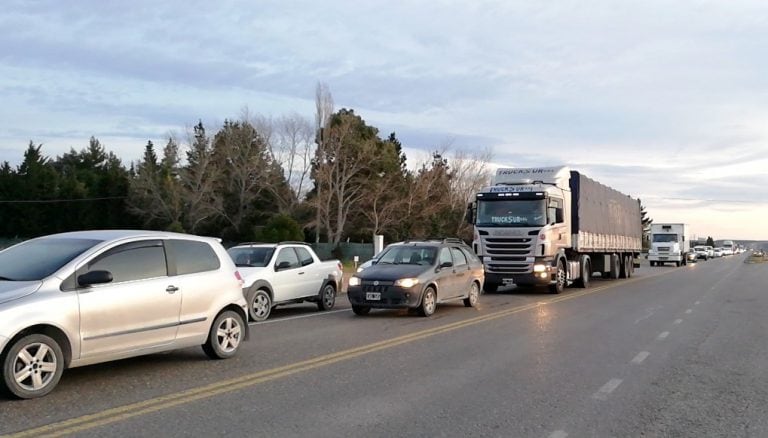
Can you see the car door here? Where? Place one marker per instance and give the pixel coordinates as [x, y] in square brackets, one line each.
[444, 276]
[138, 309]
[288, 276]
[312, 279]
[462, 272]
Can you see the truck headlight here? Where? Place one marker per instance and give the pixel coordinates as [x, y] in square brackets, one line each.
[354, 281]
[539, 268]
[407, 282]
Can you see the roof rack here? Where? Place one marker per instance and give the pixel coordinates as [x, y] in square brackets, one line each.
[292, 242]
[436, 239]
[253, 243]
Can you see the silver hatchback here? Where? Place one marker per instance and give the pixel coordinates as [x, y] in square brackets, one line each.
[75, 299]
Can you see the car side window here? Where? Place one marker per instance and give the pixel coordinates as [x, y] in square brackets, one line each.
[192, 256]
[459, 258]
[131, 262]
[445, 256]
[304, 256]
[470, 255]
[287, 255]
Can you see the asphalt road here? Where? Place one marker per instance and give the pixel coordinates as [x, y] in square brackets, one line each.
[670, 352]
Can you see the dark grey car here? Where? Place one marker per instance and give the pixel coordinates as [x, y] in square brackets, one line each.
[418, 275]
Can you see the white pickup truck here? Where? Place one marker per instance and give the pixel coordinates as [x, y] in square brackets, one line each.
[285, 273]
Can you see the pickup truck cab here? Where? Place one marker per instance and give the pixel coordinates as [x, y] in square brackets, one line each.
[276, 274]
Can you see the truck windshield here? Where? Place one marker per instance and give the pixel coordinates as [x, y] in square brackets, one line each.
[508, 213]
[665, 238]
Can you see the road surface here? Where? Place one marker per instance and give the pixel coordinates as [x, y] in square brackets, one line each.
[670, 352]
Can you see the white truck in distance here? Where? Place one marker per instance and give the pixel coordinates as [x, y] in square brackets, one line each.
[553, 226]
[670, 243]
[285, 273]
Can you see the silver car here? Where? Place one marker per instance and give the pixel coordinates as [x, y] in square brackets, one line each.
[75, 299]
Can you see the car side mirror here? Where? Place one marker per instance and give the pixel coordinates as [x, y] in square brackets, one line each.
[282, 265]
[446, 265]
[94, 277]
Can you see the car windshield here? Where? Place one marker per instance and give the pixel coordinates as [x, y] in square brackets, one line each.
[521, 213]
[35, 260]
[409, 255]
[252, 257]
[664, 238]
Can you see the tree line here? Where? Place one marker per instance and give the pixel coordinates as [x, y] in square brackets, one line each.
[254, 178]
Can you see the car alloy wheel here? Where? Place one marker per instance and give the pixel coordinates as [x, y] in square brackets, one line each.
[474, 293]
[33, 366]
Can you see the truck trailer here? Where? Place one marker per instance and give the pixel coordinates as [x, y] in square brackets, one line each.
[670, 243]
[553, 226]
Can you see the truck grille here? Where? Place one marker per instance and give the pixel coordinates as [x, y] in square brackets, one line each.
[507, 255]
[663, 249]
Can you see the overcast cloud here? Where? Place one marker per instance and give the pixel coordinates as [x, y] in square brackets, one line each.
[665, 101]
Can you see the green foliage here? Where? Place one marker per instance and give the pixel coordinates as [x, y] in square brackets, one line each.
[279, 228]
[710, 241]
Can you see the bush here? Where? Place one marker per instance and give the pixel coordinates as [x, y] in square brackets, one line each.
[279, 228]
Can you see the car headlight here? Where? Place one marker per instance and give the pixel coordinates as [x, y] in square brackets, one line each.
[407, 282]
[354, 281]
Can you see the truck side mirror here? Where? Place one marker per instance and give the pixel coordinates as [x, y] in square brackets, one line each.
[469, 216]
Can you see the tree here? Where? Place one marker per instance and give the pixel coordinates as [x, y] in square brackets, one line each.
[343, 163]
[323, 113]
[279, 228]
[710, 241]
[198, 180]
[250, 183]
[646, 222]
[156, 192]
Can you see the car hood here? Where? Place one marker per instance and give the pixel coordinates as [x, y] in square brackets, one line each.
[13, 290]
[392, 272]
[251, 274]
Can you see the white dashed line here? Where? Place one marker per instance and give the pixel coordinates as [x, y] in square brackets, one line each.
[640, 357]
[689, 311]
[602, 393]
[663, 335]
[678, 321]
[558, 434]
[270, 321]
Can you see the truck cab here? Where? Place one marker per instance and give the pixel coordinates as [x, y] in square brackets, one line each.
[520, 225]
[669, 244]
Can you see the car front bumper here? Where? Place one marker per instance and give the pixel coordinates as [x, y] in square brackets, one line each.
[391, 297]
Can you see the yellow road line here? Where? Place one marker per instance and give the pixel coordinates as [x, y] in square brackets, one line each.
[113, 415]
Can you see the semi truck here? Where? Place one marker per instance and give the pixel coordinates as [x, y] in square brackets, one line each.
[670, 243]
[554, 227]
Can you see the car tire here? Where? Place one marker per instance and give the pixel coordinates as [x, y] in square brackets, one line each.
[428, 302]
[361, 310]
[40, 361]
[327, 298]
[472, 296]
[226, 335]
[259, 305]
[560, 280]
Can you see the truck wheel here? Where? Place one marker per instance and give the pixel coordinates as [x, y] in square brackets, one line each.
[361, 310]
[626, 267]
[259, 305]
[586, 274]
[615, 267]
[490, 288]
[428, 302]
[327, 297]
[560, 279]
[474, 293]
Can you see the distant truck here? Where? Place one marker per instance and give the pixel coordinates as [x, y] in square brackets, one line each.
[670, 243]
[728, 247]
[553, 226]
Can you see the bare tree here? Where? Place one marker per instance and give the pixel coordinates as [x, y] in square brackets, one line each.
[323, 113]
[294, 138]
[470, 172]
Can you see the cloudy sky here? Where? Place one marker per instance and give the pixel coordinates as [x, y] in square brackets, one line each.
[664, 100]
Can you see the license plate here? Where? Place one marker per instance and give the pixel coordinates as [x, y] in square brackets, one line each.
[663, 258]
[373, 296]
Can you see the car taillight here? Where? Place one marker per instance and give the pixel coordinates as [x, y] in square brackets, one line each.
[239, 277]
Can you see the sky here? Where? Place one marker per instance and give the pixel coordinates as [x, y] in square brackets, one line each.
[666, 101]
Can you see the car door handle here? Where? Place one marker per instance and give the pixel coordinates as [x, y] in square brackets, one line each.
[171, 289]
[301, 273]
